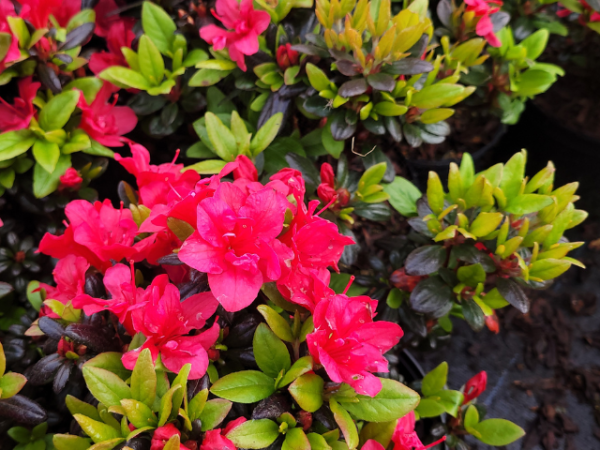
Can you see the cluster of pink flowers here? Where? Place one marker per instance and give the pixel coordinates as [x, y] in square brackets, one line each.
[587, 15]
[244, 24]
[245, 234]
[482, 9]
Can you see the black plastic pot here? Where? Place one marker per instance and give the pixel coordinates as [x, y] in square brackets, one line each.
[419, 169]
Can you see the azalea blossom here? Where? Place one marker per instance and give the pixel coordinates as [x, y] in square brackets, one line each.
[119, 282]
[162, 435]
[348, 344]
[475, 387]
[69, 275]
[119, 35]
[482, 9]
[405, 437]
[244, 24]
[158, 185]
[70, 180]
[286, 57]
[165, 321]
[235, 242]
[18, 115]
[217, 439]
[7, 9]
[103, 121]
[326, 190]
[97, 232]
[39, 11]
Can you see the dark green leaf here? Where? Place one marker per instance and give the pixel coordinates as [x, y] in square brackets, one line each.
[433, 297]
[426, 260]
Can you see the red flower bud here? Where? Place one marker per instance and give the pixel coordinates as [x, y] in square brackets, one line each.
[492, 323]
[286, 57]
[70, 180]
[64, 347]
[475, 387]
[305, 419]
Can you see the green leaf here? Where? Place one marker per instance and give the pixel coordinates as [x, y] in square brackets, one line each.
[498, 432]
[435, 193]
[317, 442]
[271, 354]
[451, 401]
[535, 43]
[166, 404]
[98, 431]
[138, 413]
[69, 442]
[88, 85]
[11, 383]
[471, 275]
[547, 269]
[15, 143]
[143, 379]
[110, 361]
[77, 406]
[278, 324]
[196, 404]
[435, 380]
[403, 196]
[296, 439]
[221, 137]
[265, 135]
[392, 402]
[430, 407]
[345, 422]
[210, 166]
[333, 147]
[471, 417]
[46, 154]
[254, 434]
[45, 183]
[247, 386]
[527, 204]
[208, 77]
[214, 413]
[107, 387]
[181, 394]
[125, 78]
[151, 62]
[158, 26]
[307, 390]
[7, 178]
[299, 368]
[436, 95]
[2, 360]
[57, 112]
[381, 432]
[317, 77]
[97, 149]
[485, 223]
[512, 175]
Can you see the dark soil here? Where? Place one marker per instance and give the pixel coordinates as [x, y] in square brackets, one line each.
[573, 100]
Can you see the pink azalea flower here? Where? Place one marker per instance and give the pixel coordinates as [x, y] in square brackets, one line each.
[39, 11]
[7, 9]
[18, 115]
[70, 180]
[162, 435]
[164, 320]
[349, 344]
[217, 439]
[119, 281]
[475, 387]
[119, 35]
[158, 185]
[405, 437]
[307, 287]
[99, 233]
[234, 242]
[106, 18]
[104, 122]
[372, 444]
[244, 24]
[69, 275]
[482, 10]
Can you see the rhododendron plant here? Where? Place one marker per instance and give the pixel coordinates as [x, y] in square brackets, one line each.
[244, 24]
[481, 11]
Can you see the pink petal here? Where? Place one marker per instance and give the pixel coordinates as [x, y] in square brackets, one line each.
[200, 255]
[235, 288]
[198, 308]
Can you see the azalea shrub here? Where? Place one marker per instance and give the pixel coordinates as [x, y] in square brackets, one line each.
[479, 244]
[203, 316]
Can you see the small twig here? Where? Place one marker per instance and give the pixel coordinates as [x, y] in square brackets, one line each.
[360, 154]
